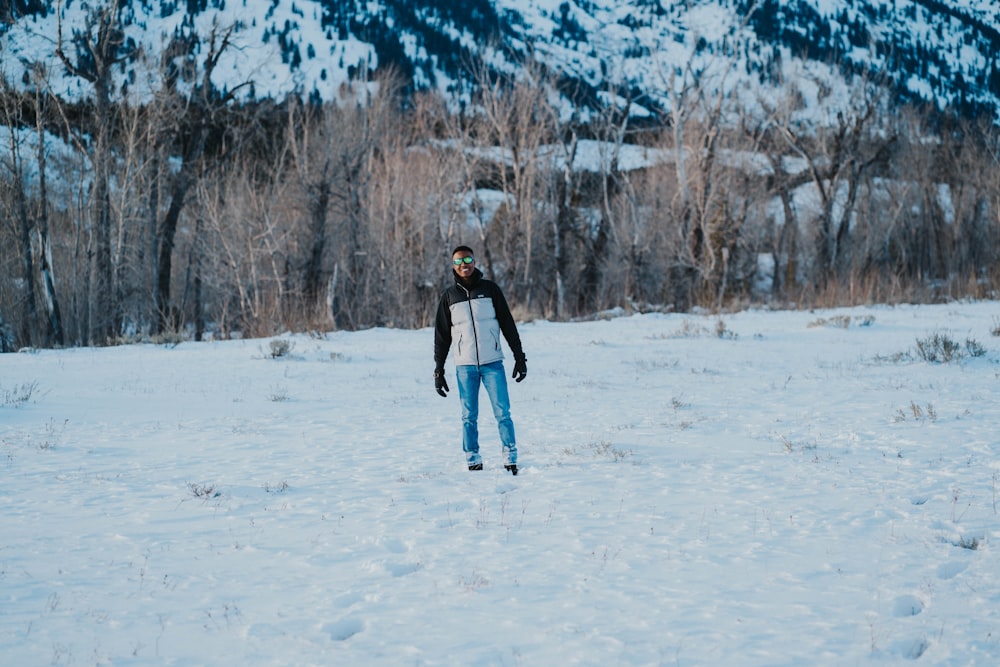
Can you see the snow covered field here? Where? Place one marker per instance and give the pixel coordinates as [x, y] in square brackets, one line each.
[768, 488]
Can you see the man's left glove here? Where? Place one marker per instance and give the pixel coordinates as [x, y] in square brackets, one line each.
[520, 368]
[440, 383]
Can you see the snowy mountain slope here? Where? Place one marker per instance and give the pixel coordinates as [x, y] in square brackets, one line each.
[944, 53]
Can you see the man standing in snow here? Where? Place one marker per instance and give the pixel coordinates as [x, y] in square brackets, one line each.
[472, 314]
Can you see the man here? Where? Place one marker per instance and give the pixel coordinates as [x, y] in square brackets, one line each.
[472, 314]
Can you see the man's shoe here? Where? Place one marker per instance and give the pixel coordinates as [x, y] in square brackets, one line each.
[512, 468]
[478, 466]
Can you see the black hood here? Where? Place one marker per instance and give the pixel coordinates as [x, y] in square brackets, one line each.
[474, 279]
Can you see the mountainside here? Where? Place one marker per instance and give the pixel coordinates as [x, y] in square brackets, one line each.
[930, 51]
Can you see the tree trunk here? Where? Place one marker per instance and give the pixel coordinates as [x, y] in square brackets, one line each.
[103, 42]
[165, 249]
[27, 331]
[54, 329]
[29, 314]
[319, 206]
[203, 104]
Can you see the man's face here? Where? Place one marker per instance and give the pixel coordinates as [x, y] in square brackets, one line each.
[463, 263]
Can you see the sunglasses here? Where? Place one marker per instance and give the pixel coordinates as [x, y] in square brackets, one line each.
[463, 260]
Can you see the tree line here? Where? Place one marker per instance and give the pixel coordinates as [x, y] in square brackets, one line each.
[195, 211]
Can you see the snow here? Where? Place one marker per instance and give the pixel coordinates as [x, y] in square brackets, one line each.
[760, 488]
[658, 55]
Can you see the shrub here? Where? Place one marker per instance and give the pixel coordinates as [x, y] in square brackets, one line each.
[278, 394]
[722, 331]
[842, 321]
[18, 395]
[204, 491]
[280, 347]
[941, 348]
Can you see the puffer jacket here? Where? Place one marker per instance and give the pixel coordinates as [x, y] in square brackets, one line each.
[472, 318]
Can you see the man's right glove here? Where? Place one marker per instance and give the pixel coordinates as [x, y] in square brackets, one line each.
[440, 383]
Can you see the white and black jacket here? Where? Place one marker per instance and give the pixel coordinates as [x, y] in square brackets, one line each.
[472, 318]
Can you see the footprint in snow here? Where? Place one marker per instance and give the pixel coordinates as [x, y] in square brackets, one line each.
[908, 605]
[402, 569]
[345, 628]
[912, 649]
[951, 570]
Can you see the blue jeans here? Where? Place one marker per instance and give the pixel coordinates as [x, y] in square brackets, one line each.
[491, 376]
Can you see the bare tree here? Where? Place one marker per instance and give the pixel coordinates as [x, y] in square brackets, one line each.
[966, 181]
[516, 122]
[611, 130]
[703, 219]
[474, 167]
[53, 322]
[565, 220]
[102, 42]
[785, 178]
[330, 148]
[308, 130]
[195, 120]
[244, 246]
[28, 331]
[838, 159]
[417, 193]
[940, 233]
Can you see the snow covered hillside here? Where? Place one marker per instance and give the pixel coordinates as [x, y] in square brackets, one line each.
[943, 52]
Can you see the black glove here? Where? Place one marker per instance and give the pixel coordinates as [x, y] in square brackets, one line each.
[440, 383]
[520, 368]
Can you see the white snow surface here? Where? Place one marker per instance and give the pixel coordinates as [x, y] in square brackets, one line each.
[802, 489]
[651, 56]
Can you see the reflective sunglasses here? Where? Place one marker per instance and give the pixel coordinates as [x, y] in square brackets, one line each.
[463, 260]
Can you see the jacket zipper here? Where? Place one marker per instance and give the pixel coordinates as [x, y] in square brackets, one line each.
[472, 318]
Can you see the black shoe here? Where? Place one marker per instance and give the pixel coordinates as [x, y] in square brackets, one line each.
[478, 466]
[512, 468]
